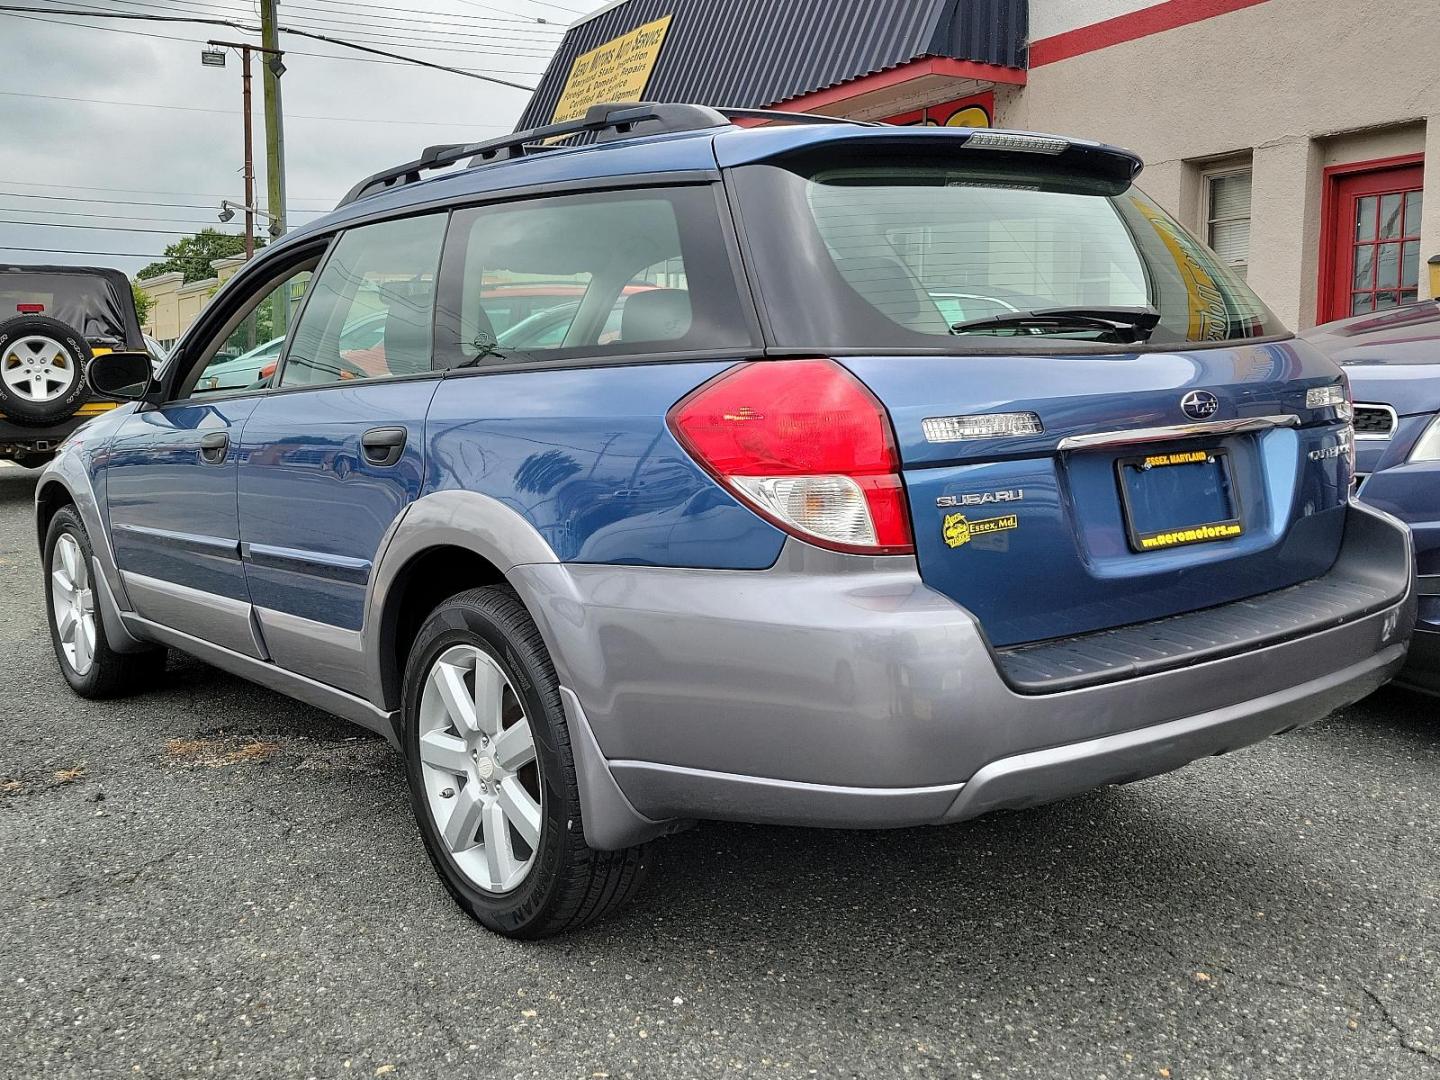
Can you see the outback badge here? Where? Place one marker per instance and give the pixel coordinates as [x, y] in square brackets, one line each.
[958, 530]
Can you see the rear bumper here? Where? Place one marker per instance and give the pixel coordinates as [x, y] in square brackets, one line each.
[840, 691]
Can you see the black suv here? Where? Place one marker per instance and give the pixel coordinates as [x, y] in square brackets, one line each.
[53, 319]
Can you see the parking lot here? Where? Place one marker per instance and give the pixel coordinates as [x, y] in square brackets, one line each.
[213, 880]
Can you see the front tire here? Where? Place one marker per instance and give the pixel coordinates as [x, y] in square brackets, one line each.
[492, 776]
[89, 665]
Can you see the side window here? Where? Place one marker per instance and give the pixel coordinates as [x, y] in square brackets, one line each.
[246, 358]
[615, 273]
[371, 306]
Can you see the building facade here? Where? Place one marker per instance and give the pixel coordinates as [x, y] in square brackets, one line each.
[174, 304]
[1296, 136]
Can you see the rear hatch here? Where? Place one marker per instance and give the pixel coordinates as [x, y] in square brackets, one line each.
[1097, 423]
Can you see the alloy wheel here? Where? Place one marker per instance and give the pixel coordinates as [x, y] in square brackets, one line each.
[37, 368]
[73, 602]
[477, 759]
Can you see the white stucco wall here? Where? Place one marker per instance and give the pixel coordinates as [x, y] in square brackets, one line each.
[1299, 84]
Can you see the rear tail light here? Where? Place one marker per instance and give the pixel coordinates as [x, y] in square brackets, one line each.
[805, 445]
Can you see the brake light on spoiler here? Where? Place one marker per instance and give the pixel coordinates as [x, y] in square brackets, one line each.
[806, 445]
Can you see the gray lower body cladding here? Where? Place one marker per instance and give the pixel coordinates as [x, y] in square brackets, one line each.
[841, 691]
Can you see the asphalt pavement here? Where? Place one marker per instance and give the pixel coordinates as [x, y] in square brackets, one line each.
[212, 880]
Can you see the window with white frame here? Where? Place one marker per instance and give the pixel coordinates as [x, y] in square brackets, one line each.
[1227, 217]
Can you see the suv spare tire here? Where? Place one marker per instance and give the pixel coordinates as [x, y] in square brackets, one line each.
[42, 369]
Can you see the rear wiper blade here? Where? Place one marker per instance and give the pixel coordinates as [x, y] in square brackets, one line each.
[1127, 324]
[485, 347]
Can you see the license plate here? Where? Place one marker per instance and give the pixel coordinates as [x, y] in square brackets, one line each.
[1178, 498]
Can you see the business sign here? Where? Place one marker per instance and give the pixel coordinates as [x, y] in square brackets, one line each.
[615, 71]
[977, 111]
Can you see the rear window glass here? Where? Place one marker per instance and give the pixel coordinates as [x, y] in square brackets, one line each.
[598, 274]
[930, 255]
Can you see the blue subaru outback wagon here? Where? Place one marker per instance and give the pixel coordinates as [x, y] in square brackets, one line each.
[870, 477]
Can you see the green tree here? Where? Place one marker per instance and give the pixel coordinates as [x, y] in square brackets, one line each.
[142, 301]
[193, 255]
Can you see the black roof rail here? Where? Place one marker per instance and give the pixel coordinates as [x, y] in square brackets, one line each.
[620, 116]
[615, 119]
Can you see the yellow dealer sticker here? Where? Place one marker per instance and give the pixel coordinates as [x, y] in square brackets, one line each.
[958, 530]
[615, 71]
[1224, 530]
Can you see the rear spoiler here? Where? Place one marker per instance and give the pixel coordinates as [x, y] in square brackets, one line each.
[1113, 168]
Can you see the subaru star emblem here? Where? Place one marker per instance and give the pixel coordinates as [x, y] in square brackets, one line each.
[1199, 404]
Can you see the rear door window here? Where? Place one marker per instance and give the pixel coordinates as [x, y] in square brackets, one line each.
[602, 274]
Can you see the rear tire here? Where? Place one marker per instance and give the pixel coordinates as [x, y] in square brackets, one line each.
[89, 665]
[479, 657]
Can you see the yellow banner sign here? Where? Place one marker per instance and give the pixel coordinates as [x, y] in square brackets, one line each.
[615, 71]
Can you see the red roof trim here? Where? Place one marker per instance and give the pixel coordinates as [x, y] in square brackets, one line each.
[915, 69]
[1136, 24]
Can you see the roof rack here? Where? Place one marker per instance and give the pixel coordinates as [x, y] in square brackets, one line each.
[620, 117]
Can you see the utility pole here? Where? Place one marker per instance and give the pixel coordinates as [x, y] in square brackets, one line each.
[274, 117]
[208, 58]
[249, 173]
[249, 155]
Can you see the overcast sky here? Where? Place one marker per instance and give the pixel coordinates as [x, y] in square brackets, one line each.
[344, 117]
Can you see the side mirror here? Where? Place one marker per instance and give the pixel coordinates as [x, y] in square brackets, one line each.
[123, 375]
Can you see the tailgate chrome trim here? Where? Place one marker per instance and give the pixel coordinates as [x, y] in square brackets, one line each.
[1101, 439]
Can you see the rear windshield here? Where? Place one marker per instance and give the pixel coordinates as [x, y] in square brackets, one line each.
[85, 303]
[928, 255]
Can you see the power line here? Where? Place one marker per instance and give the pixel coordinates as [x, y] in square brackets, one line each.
[419, 38]
[131, 202]
[105, 228]
[488, 7]
[517, 23]
[233, 25]
[107, 217]
[357, 38]
[140, 191]
[411, 59]
[325, 20]
[236, 112]
[76, 251]
[288, 52]
[352, 5]
[376, 38]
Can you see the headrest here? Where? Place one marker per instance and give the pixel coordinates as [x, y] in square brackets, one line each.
[656, 315]
[889, 286]
[407, 340]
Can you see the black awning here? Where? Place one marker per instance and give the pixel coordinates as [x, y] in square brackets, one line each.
[756, 53]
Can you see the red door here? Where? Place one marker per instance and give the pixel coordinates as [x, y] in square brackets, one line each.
[1371, 252]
